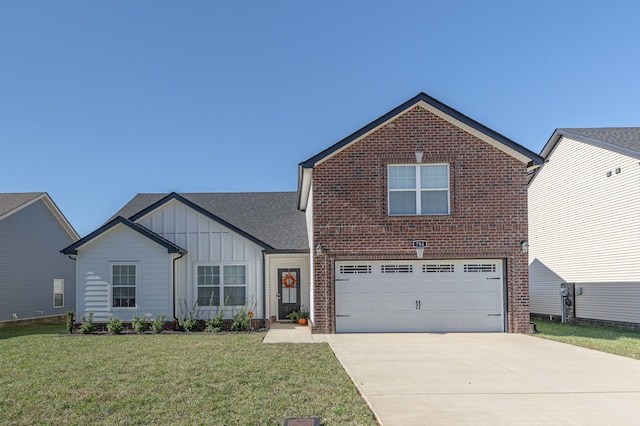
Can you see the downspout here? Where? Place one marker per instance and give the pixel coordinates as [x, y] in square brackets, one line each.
[174, 287]
[264, 289]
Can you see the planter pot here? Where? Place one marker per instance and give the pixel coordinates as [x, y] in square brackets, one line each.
[302, 321]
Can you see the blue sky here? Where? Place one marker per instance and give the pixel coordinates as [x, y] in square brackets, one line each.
[102, 100]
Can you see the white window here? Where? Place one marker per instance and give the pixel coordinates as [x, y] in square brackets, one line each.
[419, 189]
[123, 280]
[58, 293]
[226, 283]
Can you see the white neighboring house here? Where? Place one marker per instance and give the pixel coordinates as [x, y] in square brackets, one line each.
[166, 253]
[584, 227]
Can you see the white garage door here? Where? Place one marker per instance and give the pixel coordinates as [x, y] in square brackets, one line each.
[419, 296]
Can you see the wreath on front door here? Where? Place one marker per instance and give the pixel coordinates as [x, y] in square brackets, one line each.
[289, 281]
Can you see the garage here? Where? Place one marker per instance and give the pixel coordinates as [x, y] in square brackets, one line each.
[420, 296]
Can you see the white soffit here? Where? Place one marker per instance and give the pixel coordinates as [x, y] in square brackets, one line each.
[422, 104]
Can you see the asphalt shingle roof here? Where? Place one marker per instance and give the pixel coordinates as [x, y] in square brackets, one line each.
[271, 217]
[627, 138]
[11, 201]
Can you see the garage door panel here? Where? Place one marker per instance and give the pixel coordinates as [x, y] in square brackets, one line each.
[420, 296]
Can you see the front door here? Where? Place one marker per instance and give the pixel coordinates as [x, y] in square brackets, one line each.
[288, 291]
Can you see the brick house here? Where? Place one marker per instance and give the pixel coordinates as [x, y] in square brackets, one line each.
[418, 222]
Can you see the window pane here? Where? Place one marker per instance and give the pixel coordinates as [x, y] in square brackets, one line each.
[234, 295]
[234, 275]
[402, 177]
[58, 300]
[208, 275]
[401, 202]
[204, 296]
[436, 177]
[435, 202]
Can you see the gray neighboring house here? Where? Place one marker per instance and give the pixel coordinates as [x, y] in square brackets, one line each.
[35, 280]
[584, 227]
[161, 252]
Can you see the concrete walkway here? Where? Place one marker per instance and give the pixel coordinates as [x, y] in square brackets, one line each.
[292, 333]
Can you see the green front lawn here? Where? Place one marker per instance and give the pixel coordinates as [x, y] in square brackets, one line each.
[606, 339]
[47, 377]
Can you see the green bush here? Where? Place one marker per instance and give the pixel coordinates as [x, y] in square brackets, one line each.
[69, 322]
[214, 323]
[139, 324]
[241, 319]
[87, 326]
[188, 319]
[157, 326]
[114, 325]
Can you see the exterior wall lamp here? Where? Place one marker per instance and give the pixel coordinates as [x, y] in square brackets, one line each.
[319, 250]
[525, 247]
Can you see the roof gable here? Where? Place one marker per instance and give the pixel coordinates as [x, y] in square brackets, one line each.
[623, 140]
[305, 168]
[171, 247]
[11, 203]
[444, 111]
[269, 219]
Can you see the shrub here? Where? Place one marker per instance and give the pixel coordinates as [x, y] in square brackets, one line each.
[157, 326]
[139, 324]
[188, 319]
[114, 325]
[214, 323]
[70, 320]
[87, 325]
[241, 319]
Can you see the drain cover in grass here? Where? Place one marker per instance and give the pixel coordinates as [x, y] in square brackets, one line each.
[311, 421]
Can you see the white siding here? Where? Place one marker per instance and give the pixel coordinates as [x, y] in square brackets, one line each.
[583, 225]
[609, 301]
[206, 241]
[121, 245]
[275, 261]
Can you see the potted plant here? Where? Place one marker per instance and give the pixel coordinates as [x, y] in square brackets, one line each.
[300, 316]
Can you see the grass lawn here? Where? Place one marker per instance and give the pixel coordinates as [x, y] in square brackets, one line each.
[47, 377]
[606, 339]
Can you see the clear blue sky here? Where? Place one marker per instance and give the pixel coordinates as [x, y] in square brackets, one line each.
[100, 100]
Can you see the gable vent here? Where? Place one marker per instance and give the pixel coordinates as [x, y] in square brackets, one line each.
[480, 267]
[355, 269]
[437, 268]
[397, 269]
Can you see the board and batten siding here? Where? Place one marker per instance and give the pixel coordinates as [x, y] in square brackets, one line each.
[284, 261]
[123, 246]
[30, 259]
[206, 242]
[583, 228]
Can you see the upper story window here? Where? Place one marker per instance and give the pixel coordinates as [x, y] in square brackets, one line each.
[419, 189]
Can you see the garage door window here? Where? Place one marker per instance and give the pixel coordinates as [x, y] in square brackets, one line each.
[418, 189]
[480, 267]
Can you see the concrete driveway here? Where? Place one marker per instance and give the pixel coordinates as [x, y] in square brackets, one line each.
[488, 379]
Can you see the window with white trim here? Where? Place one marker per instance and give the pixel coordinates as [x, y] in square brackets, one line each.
[418, 189]
[226, 283]
[123, 281]
[58, 293]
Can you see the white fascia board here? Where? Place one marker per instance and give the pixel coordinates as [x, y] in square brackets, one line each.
[499, 145]
[305, 188]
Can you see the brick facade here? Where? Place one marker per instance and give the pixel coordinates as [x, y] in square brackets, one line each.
[488, 216]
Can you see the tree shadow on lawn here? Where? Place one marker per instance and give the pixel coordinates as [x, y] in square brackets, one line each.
[31, 329]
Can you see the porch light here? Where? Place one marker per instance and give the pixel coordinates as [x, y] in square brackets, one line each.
[319, 250]
[525, 247]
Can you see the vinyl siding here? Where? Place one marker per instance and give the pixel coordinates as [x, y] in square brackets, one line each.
[123, 246]
[30, 259]
[206, 242]
[583, 225]
[609, 301]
